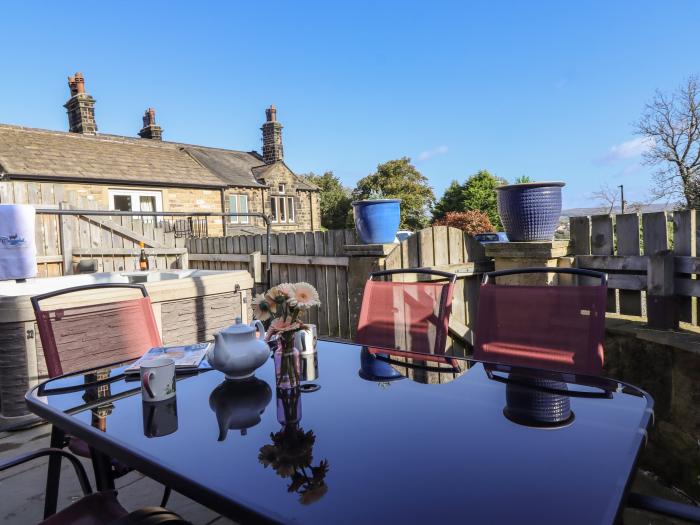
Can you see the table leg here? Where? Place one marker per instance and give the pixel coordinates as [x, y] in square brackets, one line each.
[53, 474]
[102, 465]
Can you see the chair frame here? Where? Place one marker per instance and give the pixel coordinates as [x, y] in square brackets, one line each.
[53, 360]
[445, 306]
[572, 271]
[58, 437]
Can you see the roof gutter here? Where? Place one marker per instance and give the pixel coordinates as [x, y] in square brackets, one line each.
[120, 182]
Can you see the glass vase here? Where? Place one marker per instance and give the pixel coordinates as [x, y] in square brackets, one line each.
[287, 363]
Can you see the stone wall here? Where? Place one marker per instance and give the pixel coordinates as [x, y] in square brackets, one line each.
[307, 205]
[174, 199]
[653, 361]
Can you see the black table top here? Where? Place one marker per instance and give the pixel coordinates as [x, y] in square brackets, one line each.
[373, 446]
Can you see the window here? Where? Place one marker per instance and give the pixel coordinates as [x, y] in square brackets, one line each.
[136, 200]
[281, 188]
[238, 204]
[282, 209]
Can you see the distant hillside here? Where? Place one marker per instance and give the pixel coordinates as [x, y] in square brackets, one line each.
[647, 208]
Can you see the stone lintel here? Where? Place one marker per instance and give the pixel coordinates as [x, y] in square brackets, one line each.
[369, 250]
[529, 250]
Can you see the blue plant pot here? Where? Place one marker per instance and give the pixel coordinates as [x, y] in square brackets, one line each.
[530, 211]
[377, 221]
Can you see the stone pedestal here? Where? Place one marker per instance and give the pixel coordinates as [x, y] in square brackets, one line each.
[363, 260]
[538, 254]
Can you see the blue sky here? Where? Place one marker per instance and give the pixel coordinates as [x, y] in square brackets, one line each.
[545, 89]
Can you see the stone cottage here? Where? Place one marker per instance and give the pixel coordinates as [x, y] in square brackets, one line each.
[150, 174]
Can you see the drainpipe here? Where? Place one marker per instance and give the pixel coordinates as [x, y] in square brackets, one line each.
[223, 209]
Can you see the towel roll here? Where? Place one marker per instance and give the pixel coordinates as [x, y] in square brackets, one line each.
[17, 246]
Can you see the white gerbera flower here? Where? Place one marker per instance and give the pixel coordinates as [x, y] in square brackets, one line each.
[305, 296]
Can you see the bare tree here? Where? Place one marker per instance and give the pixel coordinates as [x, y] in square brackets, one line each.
[606, 196]
[672, 125]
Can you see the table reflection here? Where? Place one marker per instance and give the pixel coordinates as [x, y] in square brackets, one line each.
[535, 402]
[383, 366]
[239, 404]
[95, 393]
[159, 417]
[291, 452]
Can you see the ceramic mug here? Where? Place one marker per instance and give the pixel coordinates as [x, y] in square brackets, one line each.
[159, 417]
[309, 338]
[158, 379]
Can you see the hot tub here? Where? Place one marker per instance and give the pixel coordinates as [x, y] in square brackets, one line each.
[189, 306]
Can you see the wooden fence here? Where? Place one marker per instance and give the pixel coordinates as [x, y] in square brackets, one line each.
[651, 260]
[321, 259]
[112, 242]
[313, 257]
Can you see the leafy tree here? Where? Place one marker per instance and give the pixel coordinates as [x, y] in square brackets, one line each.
[452, 200]
[399, 179]
[477, 193]
[335, 200]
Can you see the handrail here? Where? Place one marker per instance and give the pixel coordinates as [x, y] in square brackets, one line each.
[115, 213]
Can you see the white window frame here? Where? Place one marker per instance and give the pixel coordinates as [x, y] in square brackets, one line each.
[236, 197]
[286, 204]
[282, 188]
[136, 199]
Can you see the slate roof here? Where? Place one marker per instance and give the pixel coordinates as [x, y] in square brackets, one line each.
[260, 171]
[30, 153]
[234, 167]
[42, 154]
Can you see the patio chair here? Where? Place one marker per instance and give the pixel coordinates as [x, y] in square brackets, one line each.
[559, 328]
[408, 316]
[94, 507]
[77, 337]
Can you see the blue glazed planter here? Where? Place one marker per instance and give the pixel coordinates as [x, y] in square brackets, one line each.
[377, 221]
[530, 211]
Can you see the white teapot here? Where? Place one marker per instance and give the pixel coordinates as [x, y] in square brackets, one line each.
[237, 352]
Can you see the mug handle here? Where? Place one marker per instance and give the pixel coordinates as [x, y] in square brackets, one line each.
[146, 379]
[260, 328]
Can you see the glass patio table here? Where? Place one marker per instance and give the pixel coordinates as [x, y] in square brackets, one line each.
[371, 437]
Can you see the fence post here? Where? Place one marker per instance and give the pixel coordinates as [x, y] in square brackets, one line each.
[66, 235]
[255, 267]
[363, 260]
[662, 305]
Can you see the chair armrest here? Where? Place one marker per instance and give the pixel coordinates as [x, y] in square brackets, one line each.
[664, 507]
[77, 465]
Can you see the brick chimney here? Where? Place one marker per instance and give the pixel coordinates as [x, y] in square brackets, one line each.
[80, 107]
[272, 137]
[150, 129]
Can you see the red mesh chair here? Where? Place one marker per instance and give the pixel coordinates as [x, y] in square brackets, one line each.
[560, 328]
[76, 336]
[83, 337]
[94, 507]
[409, 316]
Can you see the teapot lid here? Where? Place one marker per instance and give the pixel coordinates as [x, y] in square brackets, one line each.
[239, 328]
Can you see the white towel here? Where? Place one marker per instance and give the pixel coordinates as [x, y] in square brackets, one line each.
[17, 246]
